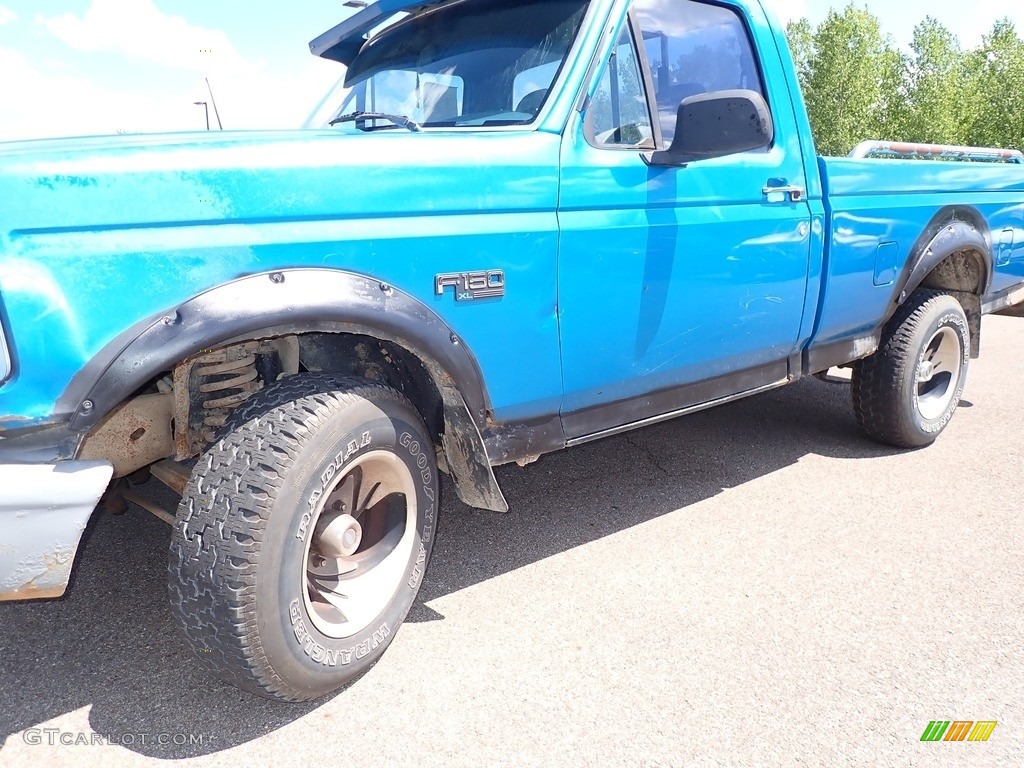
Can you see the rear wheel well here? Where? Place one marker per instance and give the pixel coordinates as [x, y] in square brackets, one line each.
[962, 276]
[961, 272]
[952, 255]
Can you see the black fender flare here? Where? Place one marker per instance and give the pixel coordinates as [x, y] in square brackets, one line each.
[950, 231]
[300, 301]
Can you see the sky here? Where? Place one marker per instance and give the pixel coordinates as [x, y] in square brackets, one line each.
[86, 67]
[899, 17]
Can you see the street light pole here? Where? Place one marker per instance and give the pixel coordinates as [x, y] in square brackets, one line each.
[207, 108]
[216, 112]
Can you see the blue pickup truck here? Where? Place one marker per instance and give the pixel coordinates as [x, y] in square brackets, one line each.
[517, 227]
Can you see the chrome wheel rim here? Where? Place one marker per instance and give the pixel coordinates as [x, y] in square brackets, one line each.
[938, 373]
[364, 529]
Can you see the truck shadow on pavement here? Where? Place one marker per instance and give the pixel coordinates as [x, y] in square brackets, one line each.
[110, 644]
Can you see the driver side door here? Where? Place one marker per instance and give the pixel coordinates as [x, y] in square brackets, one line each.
[684, 285]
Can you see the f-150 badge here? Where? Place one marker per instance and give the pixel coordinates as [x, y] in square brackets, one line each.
[472, 285]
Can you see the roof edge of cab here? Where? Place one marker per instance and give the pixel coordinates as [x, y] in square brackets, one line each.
[342, 42]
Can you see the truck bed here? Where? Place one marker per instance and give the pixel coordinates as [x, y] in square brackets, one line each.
[875, 214]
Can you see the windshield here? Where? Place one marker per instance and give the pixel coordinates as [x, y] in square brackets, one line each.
[464, 63]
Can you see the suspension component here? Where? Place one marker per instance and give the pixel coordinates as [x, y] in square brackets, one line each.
[229, 376]
[206, 388]
[209, 385]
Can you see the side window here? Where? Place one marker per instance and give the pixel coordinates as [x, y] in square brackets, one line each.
[618, 114]
[694, 48]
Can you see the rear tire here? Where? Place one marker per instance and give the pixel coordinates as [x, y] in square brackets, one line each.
[906, 393]
[303, 536]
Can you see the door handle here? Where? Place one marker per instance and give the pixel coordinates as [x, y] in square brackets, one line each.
[773, 193]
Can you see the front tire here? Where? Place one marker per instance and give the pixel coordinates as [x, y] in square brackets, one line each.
[907, 392]
[303, 536]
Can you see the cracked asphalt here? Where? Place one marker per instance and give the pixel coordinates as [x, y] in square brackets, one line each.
[756, 585]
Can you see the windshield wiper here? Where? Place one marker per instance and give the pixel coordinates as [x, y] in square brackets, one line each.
[401, 120]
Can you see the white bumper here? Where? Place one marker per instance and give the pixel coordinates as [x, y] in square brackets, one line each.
[43, 512]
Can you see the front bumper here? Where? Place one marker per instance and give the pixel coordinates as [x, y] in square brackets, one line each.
[43, 511]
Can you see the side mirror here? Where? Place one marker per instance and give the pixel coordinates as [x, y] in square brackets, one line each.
[718, 124]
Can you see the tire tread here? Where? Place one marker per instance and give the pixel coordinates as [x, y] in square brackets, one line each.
[223, 515]
[877, 379]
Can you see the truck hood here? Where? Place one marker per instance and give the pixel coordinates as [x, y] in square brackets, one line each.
[169, 181]
[97, 234]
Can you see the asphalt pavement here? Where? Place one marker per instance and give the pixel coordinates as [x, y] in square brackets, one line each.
[756, 585]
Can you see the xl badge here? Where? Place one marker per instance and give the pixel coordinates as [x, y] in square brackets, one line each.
[472, 285]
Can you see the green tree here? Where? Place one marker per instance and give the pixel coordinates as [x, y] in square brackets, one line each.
[998, 68]
[858, 86]
[943, 102]
[852, 77]
[801, 42]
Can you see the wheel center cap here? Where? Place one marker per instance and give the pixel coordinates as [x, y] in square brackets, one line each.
[926, 373]
[339, 536]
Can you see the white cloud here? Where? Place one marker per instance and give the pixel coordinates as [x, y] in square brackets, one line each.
[38, 100]
[140, 31]
[36, 104]
[273, 101]
[7, 15]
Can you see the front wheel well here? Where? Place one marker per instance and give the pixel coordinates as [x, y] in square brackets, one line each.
[179, 414]
[376, 360]
[209, 385]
